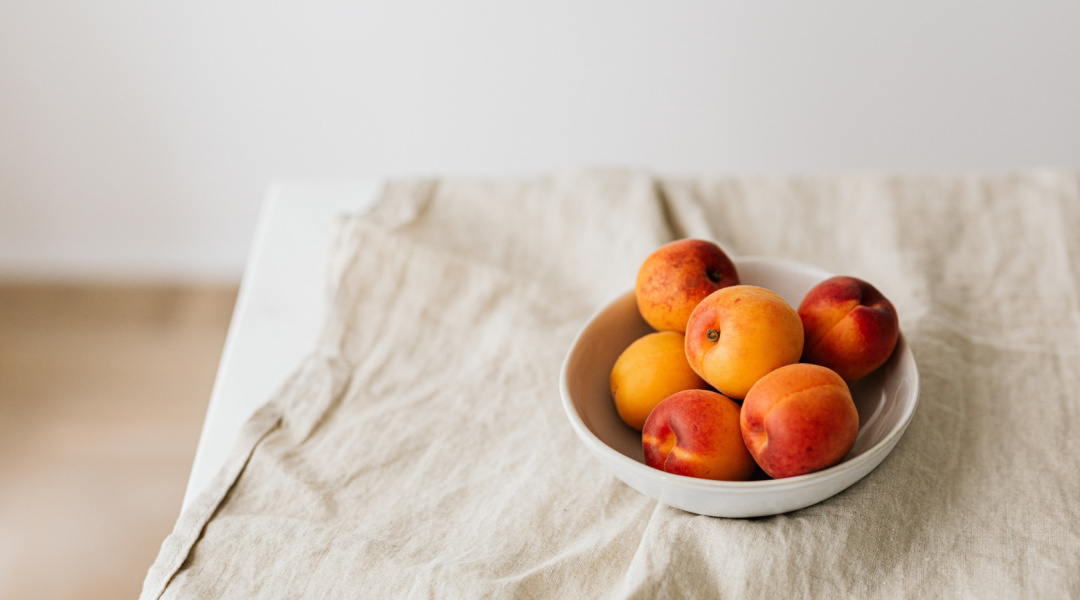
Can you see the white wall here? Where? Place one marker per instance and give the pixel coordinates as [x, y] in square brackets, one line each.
[137, 138]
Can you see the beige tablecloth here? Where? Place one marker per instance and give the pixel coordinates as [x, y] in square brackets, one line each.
[421, 449]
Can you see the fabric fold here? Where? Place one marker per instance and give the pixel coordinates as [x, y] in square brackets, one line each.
[421, 450]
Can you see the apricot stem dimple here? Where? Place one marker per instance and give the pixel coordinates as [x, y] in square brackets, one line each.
[714, 275]
[713, 335]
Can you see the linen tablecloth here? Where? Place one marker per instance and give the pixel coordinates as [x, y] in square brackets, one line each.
[420, 450]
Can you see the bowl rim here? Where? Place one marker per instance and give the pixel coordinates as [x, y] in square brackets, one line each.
[739, 487]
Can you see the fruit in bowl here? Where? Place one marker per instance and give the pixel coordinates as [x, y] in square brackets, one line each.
[648, 371]
[676, 277]
[886, 401]
[738, 334]
[696, 433]
[799, 419]
[850, 327]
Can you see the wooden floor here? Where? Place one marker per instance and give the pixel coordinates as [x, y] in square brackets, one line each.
[103, 391]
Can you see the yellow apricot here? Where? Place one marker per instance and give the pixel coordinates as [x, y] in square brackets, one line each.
[648, 371]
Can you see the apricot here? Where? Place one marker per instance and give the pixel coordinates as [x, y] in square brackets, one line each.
[850, 327]
[738, 334]
[675, 277]
[649, 370]
[799, 419]
[696, 433]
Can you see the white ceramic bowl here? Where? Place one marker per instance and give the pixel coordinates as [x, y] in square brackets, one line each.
[885, 399]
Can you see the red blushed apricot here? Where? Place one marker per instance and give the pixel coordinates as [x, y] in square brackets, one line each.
[696, 433]
[674, 278]
[799, 419]
[850, 327]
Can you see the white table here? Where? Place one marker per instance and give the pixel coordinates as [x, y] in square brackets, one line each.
[278, 312]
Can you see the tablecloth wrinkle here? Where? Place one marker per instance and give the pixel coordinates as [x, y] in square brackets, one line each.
[421, 450]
